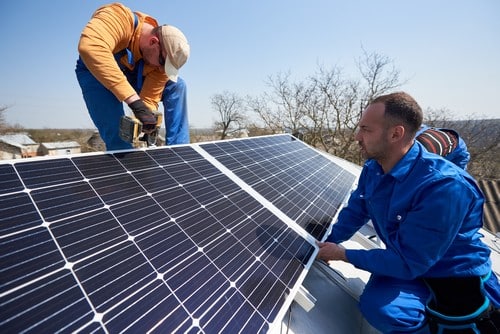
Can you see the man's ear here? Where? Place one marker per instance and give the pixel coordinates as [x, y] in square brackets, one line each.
[398, 132]
[153, 40]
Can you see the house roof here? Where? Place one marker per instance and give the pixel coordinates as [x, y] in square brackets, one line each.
[17, 139]
[60, 145]
[491, 191]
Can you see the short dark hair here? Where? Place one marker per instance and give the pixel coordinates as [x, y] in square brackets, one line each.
[400, 107]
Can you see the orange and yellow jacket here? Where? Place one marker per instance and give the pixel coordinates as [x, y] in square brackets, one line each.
[111, 30]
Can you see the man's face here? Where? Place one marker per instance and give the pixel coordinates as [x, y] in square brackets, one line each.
[372, 132]
[153, 54]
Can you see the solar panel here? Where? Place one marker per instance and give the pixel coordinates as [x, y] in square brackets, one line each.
[196, 238]
[305, 185]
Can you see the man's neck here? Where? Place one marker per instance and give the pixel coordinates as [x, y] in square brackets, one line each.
[393, 157]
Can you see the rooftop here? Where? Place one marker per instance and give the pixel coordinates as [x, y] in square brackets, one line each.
[491, 191]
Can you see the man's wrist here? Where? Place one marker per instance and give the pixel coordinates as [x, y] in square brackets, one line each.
[137, 105]
[131, 99]
[344, 255]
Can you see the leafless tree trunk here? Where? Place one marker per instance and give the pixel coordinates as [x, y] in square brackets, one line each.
[3, 123]
[231, 113]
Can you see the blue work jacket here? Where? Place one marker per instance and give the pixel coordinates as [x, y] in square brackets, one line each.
[426, 210]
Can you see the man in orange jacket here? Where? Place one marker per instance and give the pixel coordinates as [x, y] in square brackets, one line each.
[127, 56]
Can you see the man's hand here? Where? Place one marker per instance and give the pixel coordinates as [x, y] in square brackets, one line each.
[146, 116]
[328, 251]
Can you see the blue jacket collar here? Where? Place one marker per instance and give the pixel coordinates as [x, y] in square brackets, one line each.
[403, 166]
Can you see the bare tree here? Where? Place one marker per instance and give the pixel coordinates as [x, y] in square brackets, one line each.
[379, 75]
[270, 119]
[3, 123]
[325, 108]
[231, 111]
[284, 108]
[2, 116]
[335, 112]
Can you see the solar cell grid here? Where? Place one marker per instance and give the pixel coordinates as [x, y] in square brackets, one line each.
[17, 213]
[36, 175]
[155, 179]
[94, 166]
[137, 160]
[117, 273]
[139, 216]
[37, 257]
[291, 176]
[117, 188]
[54, 202]
[170, 156]
[156, 240]
[87, 234]
[57, 301]
[9, 182]
[166, 246]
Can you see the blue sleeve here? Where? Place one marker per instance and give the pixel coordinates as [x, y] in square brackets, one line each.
[460, 156]
[352, 217]
[428, 232]
[176, 116]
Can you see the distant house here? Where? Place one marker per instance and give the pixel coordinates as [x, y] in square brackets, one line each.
[238, 133]
[96, 143]
[59, 148]
[16, 146]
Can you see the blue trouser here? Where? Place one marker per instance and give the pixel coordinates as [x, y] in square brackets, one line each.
[174, 100]
[399, 306]
[395, 306]
[106, 110]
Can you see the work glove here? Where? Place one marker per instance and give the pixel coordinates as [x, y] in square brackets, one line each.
[143, 114]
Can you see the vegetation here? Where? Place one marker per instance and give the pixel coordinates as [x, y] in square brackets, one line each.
[229, 106]
[481, 136]
[323, 110]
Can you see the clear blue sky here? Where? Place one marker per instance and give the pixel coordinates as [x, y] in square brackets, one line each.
[449, 50]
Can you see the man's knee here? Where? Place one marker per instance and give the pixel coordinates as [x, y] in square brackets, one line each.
[399, 314]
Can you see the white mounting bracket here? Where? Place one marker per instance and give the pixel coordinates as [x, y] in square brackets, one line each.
[305, 299]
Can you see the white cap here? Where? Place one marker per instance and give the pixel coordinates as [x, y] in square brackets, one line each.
[177, 49]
